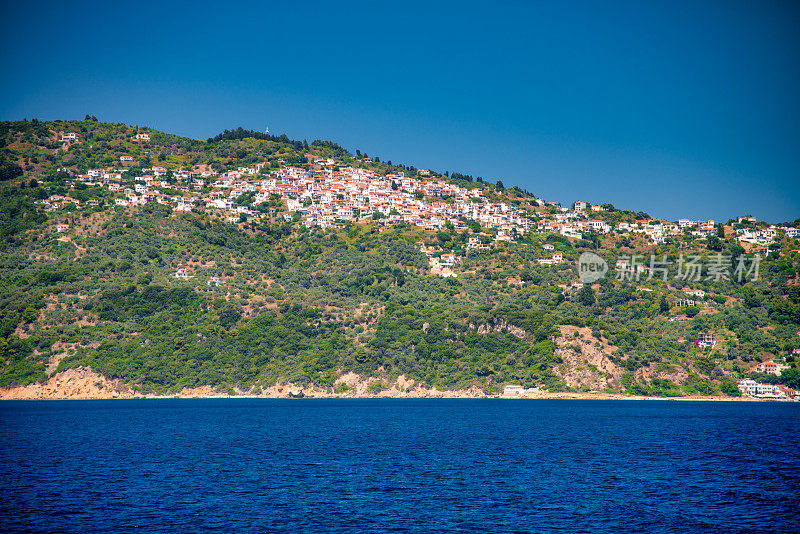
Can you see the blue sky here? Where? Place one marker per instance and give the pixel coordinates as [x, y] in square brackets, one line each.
[681, 109]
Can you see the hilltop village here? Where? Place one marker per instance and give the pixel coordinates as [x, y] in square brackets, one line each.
[328, 194]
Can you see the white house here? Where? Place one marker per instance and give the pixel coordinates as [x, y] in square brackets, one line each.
[792, 232]
[600, 226]
[772, 368]
[476, 244]
[705, 339]
[569, 231]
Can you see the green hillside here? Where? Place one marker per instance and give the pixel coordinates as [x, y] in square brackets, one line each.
[251, 293]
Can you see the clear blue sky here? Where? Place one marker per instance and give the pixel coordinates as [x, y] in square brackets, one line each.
[682, 109]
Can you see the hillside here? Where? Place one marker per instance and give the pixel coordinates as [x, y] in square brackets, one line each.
[249, 260]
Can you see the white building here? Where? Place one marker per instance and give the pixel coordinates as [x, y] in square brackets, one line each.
[751, 388]
[772, 368]
[569, 231]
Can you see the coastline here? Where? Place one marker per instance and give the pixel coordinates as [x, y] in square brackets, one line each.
[85, 384]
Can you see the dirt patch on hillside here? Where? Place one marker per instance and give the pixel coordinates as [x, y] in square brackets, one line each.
[60, 350]
[586, 363]
[77, 383]
[664, 371]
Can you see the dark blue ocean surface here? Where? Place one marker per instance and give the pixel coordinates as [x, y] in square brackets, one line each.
[399, 466]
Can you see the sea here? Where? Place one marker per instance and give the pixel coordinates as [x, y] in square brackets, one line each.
[399, 465]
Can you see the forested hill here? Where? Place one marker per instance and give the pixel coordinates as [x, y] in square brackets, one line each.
[247, 260]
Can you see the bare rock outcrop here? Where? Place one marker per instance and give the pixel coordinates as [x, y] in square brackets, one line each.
[76, 383]
[499, 326]
[586, 362]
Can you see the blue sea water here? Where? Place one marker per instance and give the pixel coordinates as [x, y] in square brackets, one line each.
[247, 465]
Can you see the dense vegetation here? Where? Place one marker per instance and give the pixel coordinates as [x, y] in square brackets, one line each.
[304, 305]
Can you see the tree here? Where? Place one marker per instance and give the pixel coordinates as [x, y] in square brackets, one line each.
[9, 172]
[586, 295]
[229, 315]
[662, 304]
[714, 243]
[729, 388]
[500, 185]
[473, 225]
[791, 378]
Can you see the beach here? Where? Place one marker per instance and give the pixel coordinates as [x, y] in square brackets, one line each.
[85, 384]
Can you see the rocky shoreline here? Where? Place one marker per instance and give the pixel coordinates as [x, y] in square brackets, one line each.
[85, 384]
